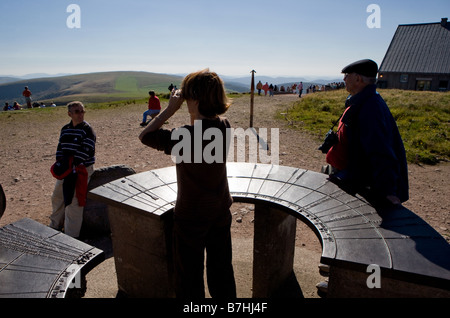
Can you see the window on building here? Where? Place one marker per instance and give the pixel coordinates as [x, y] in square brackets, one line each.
[443, 85]
[423, 85]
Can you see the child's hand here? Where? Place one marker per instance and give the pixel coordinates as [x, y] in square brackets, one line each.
[176, 100]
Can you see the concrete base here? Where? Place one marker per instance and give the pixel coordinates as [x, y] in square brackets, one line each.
[142, 254]
[274, 247]
[143, 258]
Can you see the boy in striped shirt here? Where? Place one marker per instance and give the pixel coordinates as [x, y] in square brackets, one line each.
[76, 141]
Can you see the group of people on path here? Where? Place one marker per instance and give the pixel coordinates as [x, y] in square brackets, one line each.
[296, 88]
[272, 89]
[367, 157]
[266, 88]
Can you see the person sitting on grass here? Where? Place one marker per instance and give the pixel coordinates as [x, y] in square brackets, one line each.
[154, 107]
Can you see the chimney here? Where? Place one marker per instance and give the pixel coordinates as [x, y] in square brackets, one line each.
[444, 22]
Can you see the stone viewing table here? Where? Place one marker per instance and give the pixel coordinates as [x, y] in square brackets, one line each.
[39, 262]
[412, 258]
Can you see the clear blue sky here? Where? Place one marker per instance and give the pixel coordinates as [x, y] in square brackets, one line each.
[276, 38]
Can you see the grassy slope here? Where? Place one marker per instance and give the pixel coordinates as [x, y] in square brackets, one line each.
[423, 119]
[92, 87]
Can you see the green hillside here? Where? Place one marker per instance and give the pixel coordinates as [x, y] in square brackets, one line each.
[95, 87]
[92, 87]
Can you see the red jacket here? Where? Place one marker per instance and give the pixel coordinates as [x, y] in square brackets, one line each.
[337, 156]
[153, 103]
[75, 180]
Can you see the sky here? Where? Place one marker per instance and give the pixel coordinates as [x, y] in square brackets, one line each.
[310, 39]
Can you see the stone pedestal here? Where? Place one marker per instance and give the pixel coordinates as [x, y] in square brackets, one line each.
[142, 253]
[273, 251]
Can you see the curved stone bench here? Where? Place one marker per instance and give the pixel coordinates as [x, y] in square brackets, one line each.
[412, 258]
[39, 262]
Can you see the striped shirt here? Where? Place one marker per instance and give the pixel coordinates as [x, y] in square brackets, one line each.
[78, 142]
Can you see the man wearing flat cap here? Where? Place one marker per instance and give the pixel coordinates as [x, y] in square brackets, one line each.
[369, 156]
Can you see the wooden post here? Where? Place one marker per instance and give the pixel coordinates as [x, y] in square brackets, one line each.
[252, 94]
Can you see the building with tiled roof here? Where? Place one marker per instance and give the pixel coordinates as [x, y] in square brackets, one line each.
[418, 58]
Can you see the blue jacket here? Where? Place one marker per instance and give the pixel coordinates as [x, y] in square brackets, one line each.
[377, 159]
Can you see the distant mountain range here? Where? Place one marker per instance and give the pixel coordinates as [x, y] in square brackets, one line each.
[110, 86]
[13, 78]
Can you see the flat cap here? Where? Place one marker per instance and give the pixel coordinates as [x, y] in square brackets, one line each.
[362, 67]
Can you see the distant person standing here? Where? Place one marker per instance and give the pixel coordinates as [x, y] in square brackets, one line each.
[259, 87]
[27, 94]
[75, 157]
[265, 88]
[154, 107]
[172, 87]
[300, 89]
